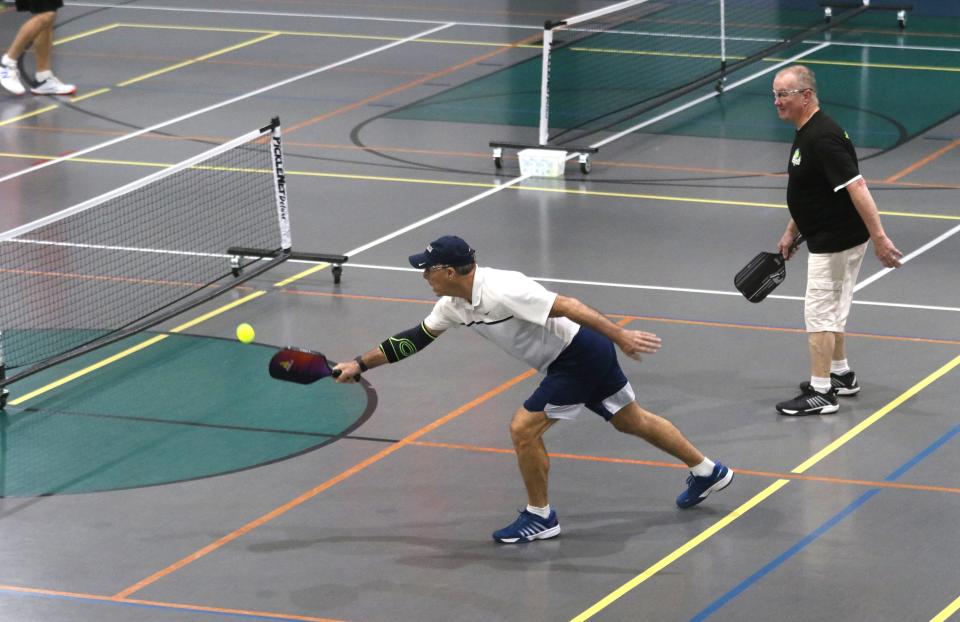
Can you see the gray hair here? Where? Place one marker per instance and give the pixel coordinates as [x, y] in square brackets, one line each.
[804, 75]
[465, 269]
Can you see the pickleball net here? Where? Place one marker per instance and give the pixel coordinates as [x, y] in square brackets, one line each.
[133, 257]
[603, 68]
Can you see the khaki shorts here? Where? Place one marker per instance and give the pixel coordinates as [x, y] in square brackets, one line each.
[830, 281]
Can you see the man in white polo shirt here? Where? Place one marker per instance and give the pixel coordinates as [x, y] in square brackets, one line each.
[561, 337]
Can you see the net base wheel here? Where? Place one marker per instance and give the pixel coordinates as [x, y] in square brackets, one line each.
[585, 166]
[498, 157]
[337, 271]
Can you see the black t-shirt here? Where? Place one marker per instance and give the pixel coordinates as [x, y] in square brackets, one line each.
[822, 163]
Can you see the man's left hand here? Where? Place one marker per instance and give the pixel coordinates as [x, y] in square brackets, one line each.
[633, 342]
[887, 253]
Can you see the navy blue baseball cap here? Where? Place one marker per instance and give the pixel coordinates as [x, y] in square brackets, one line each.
[446, 251]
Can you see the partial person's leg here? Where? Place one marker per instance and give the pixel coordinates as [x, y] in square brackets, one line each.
[538, 521]
[43, 43]
[706, 476]
[526, 432]
[29, 32]
[634, 419]
[821, 312]
[822, 346]
[839, 351]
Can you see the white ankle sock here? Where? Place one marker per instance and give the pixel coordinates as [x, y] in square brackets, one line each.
[820, 385]
[543, 512]
[839, 367]
[9, 62]
[704, 469]
[44, 75]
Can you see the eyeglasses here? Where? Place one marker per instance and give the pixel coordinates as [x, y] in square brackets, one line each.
[787, 93]
[427, 271]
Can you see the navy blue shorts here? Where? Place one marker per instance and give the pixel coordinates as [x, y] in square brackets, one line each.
[39, 6]
[585, 374]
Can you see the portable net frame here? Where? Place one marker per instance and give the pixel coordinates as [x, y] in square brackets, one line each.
[604, 68]
[138, 255]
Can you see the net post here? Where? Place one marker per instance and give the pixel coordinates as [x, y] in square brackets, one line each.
[544, 136]
[280, 184]
[723, 47]
[4, 393]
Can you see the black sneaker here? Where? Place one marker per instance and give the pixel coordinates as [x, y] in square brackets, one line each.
[810, 402]
[844, 385]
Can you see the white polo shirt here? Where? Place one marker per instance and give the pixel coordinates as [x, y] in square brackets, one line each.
[511, 310]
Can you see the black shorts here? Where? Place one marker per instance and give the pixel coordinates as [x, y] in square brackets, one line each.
[39, 6]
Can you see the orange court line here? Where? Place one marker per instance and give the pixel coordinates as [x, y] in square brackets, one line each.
[677, 465]
[626, 319]
[165, 605]
[406, 86]
[286, 507]
[922, 162]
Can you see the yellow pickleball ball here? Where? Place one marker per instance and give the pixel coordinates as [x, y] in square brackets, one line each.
[245, 333]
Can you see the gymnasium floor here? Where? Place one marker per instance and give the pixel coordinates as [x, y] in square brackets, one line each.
[182, 483]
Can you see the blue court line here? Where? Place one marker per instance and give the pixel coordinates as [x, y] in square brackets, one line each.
[153, 606]
[825, 527]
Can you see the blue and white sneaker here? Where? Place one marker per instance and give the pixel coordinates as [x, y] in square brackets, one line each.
[529, 527]
[699, 487]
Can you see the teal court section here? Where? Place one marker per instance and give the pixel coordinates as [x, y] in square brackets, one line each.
[186, 407]
[881, 95]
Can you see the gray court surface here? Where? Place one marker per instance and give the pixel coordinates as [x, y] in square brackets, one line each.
[839, 517]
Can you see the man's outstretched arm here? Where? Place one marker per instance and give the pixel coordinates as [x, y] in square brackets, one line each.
[391, 350]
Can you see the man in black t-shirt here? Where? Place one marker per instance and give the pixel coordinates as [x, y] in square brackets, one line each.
[831, 206]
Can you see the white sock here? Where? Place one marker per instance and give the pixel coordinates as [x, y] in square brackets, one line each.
[839, 367]
[820, 385]
[9, 62]
[44, 75]
[543, 512]
[704, 469]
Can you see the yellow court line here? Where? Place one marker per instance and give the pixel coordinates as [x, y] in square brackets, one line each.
[330, 35]
[470, 184]
[28, 115]
[680, 552]
[951, 609]
[869, 421]
[81, 35]
[198, 59]
[300, 275]
[764, 494]
[90, 94]
[132, 350]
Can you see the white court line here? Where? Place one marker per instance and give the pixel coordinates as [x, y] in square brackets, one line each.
[517, 180]
[661, 288]
[907, 258]
[432, 217]
[234, 100]
[145, 7]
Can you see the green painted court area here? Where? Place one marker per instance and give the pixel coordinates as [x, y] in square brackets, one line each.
[186, 407]
[907, 90]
